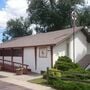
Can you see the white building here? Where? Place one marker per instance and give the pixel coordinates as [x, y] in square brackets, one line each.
[42, 50]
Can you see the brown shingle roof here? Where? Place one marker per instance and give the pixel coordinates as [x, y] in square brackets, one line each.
[50, 38]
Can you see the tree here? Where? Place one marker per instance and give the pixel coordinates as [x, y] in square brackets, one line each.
[85, 16]
[16, 28]
[51, 14]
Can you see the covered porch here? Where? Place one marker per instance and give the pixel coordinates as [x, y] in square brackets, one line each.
[12, 58]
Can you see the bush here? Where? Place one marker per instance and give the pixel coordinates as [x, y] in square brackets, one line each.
[52, 73]
[76, 74]
[65, 63]
[64, 59]
[61, 85]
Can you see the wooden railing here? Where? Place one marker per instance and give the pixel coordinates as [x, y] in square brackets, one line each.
[14, 65]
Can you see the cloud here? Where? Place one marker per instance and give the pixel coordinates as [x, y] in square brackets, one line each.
[87, 2]
[13, 9]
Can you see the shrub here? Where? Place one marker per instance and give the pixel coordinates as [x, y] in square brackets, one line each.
[64, 59]
[61, 85]
[78, 70]
[76, 74]
[65, 63]
[52, 73]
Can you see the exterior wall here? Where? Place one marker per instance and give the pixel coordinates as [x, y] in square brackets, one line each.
[7, 58]
[80, 46]
[59, 50]
[88, 67]
[43, 63]
[29, 58]
[17, 59]
[1, 58]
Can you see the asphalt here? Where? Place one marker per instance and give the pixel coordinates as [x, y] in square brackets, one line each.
[8, 86]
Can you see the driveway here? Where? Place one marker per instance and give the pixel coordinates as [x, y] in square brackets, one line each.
[8, 86]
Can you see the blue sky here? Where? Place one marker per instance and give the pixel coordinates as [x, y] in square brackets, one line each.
[11, 9]
[2, 3]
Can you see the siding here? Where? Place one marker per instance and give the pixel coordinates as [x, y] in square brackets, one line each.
[29, 58]
[59, 50]
[80, 46]
[43, 63]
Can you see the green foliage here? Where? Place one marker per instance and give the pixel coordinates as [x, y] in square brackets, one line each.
[51, 14]
[70, 85]
[76, 74]
[64, 63]
[84, 16]
[16, 28]
[78, 70]
[64, 59]
[52, 73]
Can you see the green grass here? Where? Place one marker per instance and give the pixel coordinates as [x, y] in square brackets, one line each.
[39, 81]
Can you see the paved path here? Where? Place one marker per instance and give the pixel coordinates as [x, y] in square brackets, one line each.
[21, 82]
[30, 86]
[8, 86]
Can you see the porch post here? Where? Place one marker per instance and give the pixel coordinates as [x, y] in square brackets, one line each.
[51, 47]
[22, 56]
[35, 58]
[12, 58]
[3, 57]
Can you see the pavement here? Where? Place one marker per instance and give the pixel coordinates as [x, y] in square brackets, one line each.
[8, 86]
[21, 82]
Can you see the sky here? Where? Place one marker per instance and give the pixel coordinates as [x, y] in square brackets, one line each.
[11, 9]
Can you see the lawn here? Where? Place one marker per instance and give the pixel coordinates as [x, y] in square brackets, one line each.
[39, 81]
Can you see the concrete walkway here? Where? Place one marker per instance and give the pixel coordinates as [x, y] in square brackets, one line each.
[20, 77]
[22, 81]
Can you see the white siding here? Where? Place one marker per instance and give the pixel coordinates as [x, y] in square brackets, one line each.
[88, 67]
[1, 58]
[80, 46]
[59, 50]
[29, 58]
[43, 63]
[17, 59]
[8, 58]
